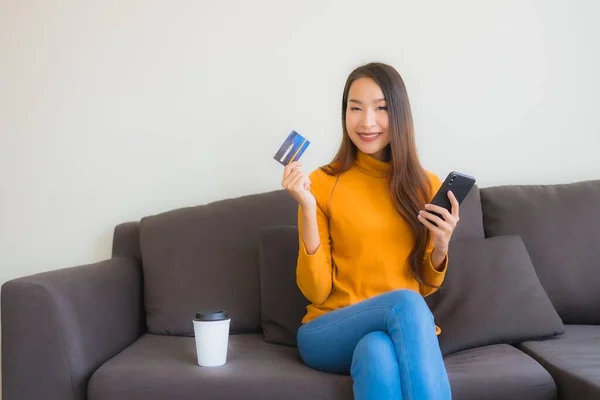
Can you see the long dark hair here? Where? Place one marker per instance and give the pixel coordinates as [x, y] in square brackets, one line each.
[408, 182]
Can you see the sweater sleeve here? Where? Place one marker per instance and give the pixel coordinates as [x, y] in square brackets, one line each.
[432, 275]
[314, 271]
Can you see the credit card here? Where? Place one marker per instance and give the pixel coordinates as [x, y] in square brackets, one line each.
[292, 148]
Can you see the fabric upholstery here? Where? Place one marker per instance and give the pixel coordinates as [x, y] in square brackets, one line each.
[573, 359]
[58, 327]
[470, 225]
[491, 295]
[282, 304]
[126, 240]
[159, 367]
[207, 257]
[559, 225]
[498, 372]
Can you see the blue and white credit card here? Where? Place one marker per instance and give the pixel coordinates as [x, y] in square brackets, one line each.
[292, 149]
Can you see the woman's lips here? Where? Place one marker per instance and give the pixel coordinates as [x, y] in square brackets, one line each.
[368, 136]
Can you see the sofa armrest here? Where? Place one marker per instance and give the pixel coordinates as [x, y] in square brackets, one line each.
[58, 327]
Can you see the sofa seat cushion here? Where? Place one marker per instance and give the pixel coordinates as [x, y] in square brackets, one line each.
[497, 372]
[573, 359]
[164, 367]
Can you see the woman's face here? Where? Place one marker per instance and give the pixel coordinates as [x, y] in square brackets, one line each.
[367, 119]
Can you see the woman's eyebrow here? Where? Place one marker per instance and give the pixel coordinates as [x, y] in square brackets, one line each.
[360, 102]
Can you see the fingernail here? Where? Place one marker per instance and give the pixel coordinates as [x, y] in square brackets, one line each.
[427, 205]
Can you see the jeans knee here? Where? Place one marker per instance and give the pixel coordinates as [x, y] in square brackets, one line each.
[409, 301]
[374, 356]
[411, 306]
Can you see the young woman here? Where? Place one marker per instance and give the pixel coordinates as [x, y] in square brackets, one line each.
[370, 250]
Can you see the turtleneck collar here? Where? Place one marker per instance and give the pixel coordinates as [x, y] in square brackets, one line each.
[371, 166]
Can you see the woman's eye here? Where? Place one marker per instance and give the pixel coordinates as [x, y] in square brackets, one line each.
[383, 108]
[355, 109]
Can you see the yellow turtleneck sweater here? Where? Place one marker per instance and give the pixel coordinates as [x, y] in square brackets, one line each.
[370, 242]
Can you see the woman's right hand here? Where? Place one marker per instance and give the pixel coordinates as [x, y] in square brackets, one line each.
[297, 184]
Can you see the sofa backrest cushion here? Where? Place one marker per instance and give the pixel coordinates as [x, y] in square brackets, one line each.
[126, 240]
[282, 304]
[491, 295]
[560, 226]
[207, 257]
[470, 225]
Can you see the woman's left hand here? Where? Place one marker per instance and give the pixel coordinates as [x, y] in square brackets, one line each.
[445, 227]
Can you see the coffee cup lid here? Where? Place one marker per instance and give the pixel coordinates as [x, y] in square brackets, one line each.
[211, 315]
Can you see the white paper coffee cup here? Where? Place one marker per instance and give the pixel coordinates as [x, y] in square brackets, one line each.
[211, 330]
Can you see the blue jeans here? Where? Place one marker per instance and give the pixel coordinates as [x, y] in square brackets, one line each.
[387, 343]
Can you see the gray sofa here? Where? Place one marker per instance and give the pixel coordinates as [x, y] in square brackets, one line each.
[519, 310]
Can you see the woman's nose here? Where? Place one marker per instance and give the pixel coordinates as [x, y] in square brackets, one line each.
[368, 119]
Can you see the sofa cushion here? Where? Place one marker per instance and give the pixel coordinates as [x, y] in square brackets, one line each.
[573, 359]
[126, 240]
[470, 225]
[498, 372]
[207, 257]
[282, 304]
[560, 227]
[164, 367]
[491, 295]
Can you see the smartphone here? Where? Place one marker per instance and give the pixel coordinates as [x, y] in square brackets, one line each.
[460, 184]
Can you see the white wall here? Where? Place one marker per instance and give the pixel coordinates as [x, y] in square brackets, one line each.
[113, 110]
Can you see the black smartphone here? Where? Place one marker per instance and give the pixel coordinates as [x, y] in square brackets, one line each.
[460, 184]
